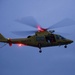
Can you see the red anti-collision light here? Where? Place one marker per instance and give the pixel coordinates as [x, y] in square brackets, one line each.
[41, 29]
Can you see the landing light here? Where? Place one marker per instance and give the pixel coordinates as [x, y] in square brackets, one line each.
[21, 45]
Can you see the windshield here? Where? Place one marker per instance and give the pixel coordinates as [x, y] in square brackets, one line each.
[59, 37]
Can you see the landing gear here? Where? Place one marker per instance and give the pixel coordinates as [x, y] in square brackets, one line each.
[39, 45]
[65, 46]
[40, 51]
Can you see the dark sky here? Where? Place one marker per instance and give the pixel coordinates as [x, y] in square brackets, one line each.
[27, 60]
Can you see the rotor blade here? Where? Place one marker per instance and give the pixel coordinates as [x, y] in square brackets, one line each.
[23, 33]
[28, 21]
[63, 23]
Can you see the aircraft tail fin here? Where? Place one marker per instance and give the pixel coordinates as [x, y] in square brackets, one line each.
[2, 38]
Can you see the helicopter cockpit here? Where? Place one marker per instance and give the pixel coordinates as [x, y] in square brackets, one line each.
[52, 38]
[59, 37]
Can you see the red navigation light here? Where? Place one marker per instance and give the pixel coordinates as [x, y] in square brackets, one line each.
[10, 42]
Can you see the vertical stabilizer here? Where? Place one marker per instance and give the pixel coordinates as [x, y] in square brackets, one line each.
[2, 38]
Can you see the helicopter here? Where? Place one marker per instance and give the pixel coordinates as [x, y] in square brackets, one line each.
[43, 37]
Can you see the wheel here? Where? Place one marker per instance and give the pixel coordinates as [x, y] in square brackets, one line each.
[65, 46]
[40, 51]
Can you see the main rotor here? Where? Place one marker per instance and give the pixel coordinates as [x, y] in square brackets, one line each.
[30, 21]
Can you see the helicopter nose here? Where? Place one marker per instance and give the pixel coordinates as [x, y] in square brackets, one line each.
[70, 41]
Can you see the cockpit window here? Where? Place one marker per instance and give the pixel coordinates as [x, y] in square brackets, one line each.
[59, 37]
[50, 38]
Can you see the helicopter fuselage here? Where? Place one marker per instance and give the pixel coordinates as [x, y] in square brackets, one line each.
[39, 40]
[44, 39]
